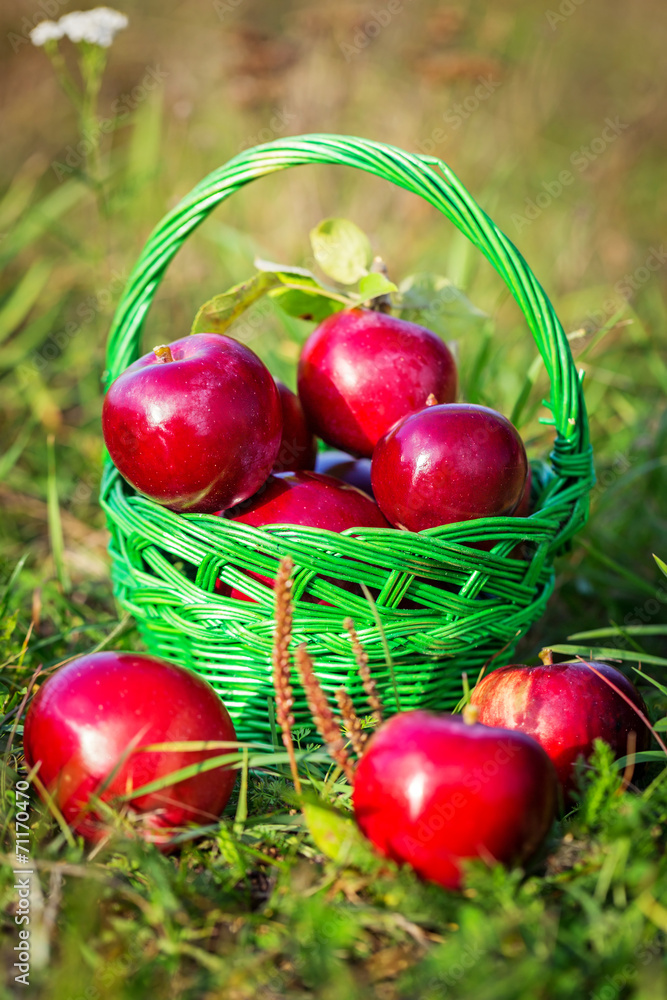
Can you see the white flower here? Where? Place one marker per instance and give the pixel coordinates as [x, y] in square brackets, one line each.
[47, 31]
[98, 26]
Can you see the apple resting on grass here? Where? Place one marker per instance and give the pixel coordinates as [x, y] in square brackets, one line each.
[98, 711]
[565, 707]
[448, 463]
[195, 426]
[340, 465]
[360, 371]
[298, 446]
[309, 499]
[434, 790]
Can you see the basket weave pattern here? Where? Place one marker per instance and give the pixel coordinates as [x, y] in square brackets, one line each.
[426, 606]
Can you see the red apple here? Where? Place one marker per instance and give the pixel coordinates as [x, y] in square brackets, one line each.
[98, 711]
[448, 463]
[340, 465]
[306, 498]
[433, 791]
[298, 446]
[565, 707]
[195, 426]
[361, 370]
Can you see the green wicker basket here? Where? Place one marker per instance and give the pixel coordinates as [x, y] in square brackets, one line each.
[431, 605]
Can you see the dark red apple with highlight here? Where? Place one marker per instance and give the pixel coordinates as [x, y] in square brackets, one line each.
[98, 712]
[565, 707]
[309, 499]
[298, 446]
[448, 463]
[196, 425]
[435, 791]
[361, 370]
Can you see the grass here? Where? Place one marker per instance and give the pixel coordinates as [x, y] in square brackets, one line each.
[253, 908]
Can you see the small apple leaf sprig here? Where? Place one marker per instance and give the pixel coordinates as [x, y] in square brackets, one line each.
[344, 255]
[326, 723]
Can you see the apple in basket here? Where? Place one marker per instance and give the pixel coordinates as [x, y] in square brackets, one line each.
[448, 463]
[361, 370]
[195, 426]
[309, 499]
[87, 728]
[298, 446]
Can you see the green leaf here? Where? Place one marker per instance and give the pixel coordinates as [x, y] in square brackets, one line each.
[661, 725]
[218, 314]
[342, 250]
[600, 633]
[661, 565]
[336, 835]
[374, 284]
[433, 300]
[305, 304]
[642, 757]
[602, 653]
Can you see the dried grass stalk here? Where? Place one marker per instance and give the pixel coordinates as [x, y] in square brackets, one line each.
[281, 661]
[369, 685]
[321, 712]
[352, 722]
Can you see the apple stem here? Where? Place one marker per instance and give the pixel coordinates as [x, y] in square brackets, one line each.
[431, 399]
[381, 303]
[163, 353]
[470, 714]
[547, 657]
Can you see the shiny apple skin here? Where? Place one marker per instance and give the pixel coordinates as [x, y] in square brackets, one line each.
[341, 465]
[432, 791]
[298, 445]
[360, 371]
[565, 707]
[446, 464]
[91, 711]
[199, 433]
[309, 499]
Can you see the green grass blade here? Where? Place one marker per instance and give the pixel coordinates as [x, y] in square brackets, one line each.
[602, 653]
[55, 522]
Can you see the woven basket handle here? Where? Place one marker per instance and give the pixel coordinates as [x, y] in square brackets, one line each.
[571, 457]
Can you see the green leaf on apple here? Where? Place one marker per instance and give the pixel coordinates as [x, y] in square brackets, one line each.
[218, 314]
[342, 250]
[305, 304]
[373, 285]
[436, 302]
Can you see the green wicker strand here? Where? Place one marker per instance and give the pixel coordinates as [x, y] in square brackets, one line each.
[443, 604]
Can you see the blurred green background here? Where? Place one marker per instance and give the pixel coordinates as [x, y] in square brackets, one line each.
[554, 118]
